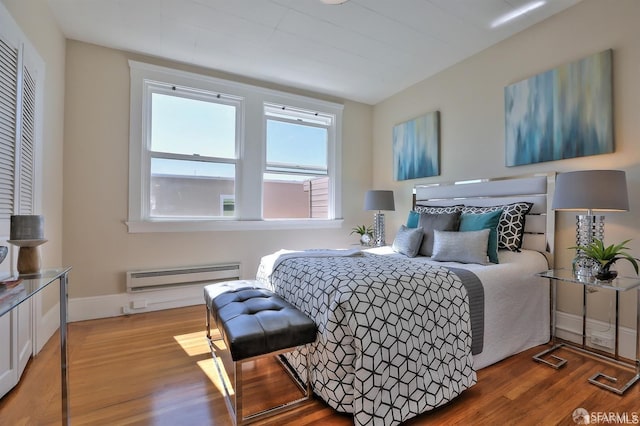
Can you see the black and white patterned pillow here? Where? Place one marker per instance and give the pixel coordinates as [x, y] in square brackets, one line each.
[511, 225]
[439, 209]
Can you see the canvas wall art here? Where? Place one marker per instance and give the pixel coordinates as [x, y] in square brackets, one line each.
[416, 145]
[562, 113]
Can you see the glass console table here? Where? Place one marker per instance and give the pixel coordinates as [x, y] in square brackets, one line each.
[23, 289]
[619, 285]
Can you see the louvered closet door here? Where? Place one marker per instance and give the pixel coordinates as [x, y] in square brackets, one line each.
[8, 119]
[9, 365]
[26, 165]
[21, 83]
[24, 193]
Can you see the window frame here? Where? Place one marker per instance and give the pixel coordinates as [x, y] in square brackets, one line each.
[148, 154]
[251, 153]
[296, 117]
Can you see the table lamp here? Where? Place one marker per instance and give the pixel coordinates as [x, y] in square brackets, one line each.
[27, 232]
[379, 200]
[590, 190]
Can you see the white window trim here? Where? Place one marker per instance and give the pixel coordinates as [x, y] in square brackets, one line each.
[232, 225]
[147, 154]
[250, 152]
[291, 117]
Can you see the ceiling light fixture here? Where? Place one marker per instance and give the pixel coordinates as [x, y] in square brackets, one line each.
[516, 13]
[334, 1]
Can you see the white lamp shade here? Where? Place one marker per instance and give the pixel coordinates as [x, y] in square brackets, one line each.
[603, 190]
[379, 200]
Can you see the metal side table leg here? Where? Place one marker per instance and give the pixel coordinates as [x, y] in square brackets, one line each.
[620, 391]
[64, 354]
[540, 357]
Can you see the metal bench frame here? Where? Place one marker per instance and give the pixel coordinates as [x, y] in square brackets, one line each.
[235, 403]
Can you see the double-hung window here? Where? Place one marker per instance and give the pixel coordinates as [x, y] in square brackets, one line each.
[296, 178]
[211, 154]
[192, 152]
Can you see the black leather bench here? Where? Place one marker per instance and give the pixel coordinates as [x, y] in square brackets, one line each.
[254, 322]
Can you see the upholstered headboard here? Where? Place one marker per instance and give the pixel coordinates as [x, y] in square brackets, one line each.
[536, 189]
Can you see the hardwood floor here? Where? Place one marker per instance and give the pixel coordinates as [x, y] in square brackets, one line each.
[155, 369]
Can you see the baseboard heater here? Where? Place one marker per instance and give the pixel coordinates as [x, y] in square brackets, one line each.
[171, 278]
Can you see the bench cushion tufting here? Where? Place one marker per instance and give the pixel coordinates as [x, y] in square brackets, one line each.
[211, 291]
[256, 321]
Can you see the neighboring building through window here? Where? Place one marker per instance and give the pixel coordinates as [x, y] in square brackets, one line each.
[212, 154]
[227, 205]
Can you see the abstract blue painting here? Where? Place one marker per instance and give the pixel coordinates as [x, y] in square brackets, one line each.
[416, 145]
[563, 113]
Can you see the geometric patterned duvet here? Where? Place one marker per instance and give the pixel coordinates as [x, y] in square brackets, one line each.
[394, 336]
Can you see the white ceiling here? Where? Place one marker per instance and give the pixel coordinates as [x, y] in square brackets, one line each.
[363, 50]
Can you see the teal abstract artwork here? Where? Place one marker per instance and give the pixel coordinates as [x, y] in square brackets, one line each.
[416, 145]
[562, 113]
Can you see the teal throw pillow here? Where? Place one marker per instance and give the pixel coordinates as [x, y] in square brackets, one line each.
[412, 220]
[477, 222]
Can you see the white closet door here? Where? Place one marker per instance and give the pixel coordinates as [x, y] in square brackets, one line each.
[8, 358]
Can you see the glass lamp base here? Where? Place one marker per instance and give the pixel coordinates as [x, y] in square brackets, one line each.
[588, 228]
[378, 229]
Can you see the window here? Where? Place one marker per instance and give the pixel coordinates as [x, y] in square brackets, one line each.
[210, 154]
[295, 181]
[192, 152]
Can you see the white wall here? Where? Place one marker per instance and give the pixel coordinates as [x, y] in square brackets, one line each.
[36, 21]
[470, 95]
[86, 97]
[96, 242]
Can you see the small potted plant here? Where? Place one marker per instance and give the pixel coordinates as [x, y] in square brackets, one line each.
[365, 233]
[605, 257]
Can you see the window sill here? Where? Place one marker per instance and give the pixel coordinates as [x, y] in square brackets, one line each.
[135, 227]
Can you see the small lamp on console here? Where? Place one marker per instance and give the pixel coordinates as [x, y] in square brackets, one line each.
[379, 200]
[27, 232]
[589, 191]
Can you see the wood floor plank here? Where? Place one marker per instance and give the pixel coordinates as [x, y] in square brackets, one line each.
[156, 369]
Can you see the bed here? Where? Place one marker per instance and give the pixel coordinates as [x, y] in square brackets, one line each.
[399, 335]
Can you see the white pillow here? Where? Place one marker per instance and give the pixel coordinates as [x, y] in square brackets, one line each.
[463, 247]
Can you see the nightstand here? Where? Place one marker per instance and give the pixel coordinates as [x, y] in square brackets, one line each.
[619, 285]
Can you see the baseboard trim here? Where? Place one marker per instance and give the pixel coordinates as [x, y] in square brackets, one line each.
[113, 305]
[569, 327]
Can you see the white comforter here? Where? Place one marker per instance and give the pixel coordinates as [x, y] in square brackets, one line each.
[516, 302]
[387, 362]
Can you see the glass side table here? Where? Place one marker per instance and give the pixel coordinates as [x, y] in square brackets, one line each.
[619, 285]
[26, 286]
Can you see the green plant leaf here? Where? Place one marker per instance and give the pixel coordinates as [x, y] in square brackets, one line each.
[361, 230]
[607, 256]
